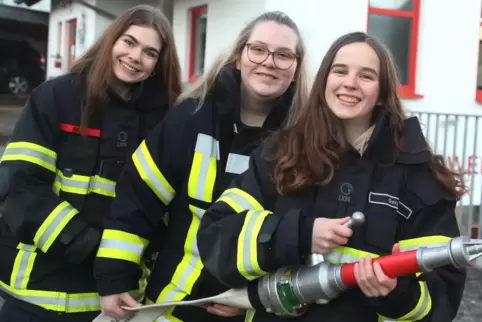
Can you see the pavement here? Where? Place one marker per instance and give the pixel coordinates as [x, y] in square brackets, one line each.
[470, 309]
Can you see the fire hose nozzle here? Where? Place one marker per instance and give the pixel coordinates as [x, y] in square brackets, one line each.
[356, 220]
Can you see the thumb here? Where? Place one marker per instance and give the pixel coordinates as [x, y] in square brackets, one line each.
[396, 248]
[341, 221]
[128, 300]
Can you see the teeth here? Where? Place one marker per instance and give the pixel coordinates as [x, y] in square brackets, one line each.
[132, 69]
[348, 99]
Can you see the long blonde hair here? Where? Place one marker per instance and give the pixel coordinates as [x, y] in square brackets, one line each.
[205, 84]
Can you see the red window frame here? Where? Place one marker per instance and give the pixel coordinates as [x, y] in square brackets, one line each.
[71, 40]
[408, 90]
[195, 13]
[478, 92]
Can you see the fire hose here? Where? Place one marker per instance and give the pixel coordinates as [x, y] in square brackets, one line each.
[289, 291]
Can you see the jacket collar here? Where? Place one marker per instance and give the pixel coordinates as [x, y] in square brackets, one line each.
[414, 147]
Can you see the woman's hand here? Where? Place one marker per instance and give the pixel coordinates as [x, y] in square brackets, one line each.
[224, 310]
[372, 280]
[111, 305]
[329, 234]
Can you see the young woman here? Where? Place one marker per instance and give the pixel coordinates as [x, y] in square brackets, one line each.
[64, 158]
[349, 149]
[190, 158]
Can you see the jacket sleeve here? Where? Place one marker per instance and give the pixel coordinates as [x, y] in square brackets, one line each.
[143, 193]
[240, 238]
[433, 296]
[33, 212]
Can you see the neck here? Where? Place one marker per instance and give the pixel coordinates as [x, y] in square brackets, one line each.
[122, 89]
[355, 128]
[253, 110]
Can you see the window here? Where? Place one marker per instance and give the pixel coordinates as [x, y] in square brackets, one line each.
[396, 23]
[198, 42]
[479, 70]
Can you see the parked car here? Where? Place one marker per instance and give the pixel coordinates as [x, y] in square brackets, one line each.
[22, 67]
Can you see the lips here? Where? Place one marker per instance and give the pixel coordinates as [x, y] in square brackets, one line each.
[267, 75]
[348, 98]
[128, 67]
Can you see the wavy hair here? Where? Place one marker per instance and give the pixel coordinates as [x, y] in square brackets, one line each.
[309, 149]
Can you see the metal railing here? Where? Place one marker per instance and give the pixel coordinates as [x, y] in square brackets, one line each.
[459, 139]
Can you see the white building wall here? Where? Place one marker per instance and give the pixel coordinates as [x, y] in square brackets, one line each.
[42, 5]
[225, 18]
[86, 34]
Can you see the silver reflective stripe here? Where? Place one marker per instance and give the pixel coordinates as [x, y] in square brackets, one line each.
[426, 296]
[208, 146]
[121, 245]
[237, 163]
[30, 152]
[59, 302]
[336, 257]
[245, 204]
[99, 184]
[405, 249]
[249, 236]
[191, 265]
[151, 176]
[90, 184]
[27, 255]
[53, 225]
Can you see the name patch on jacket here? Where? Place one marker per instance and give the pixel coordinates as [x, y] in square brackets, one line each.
[390, 201]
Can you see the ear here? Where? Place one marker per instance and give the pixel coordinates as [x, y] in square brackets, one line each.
[238, 63]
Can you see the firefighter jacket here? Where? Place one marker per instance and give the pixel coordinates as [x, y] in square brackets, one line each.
[60, 185]
[252, 230]
[182, 166]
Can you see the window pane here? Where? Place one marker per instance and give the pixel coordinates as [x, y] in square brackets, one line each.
[396, 33]
[406, 5]
[200, 44]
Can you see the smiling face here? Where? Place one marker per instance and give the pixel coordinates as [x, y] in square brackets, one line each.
[352, 87]
[135, 54]
[263, 79]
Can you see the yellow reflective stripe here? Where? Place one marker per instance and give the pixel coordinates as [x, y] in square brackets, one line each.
[151, 175]
[342, 254]
[427, 241]
[139, 294]
[420, 311]
[55, 301]
[30, 152]
[84, 185]
[203, 170]
[249, 316]
[53, 225]
[118, 244]
[240, 200]
[200, 186]
[22, 267]
[247, 257]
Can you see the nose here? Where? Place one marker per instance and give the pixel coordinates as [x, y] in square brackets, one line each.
[269, 62]
[135, 54]
[350, 81]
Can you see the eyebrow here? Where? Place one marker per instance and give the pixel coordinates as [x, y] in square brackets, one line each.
[137, 42]
[258, 42]
[367, 69]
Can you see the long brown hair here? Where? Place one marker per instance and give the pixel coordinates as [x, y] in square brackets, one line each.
[97, 60]
[206, 83]
[308, 150]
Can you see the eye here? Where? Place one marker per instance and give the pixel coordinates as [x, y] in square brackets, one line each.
[367, 76]
[339, 71]
[128, 42]
[151, 54]
[285, 55]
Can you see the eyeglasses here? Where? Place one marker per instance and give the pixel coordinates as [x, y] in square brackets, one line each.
[283, 59]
